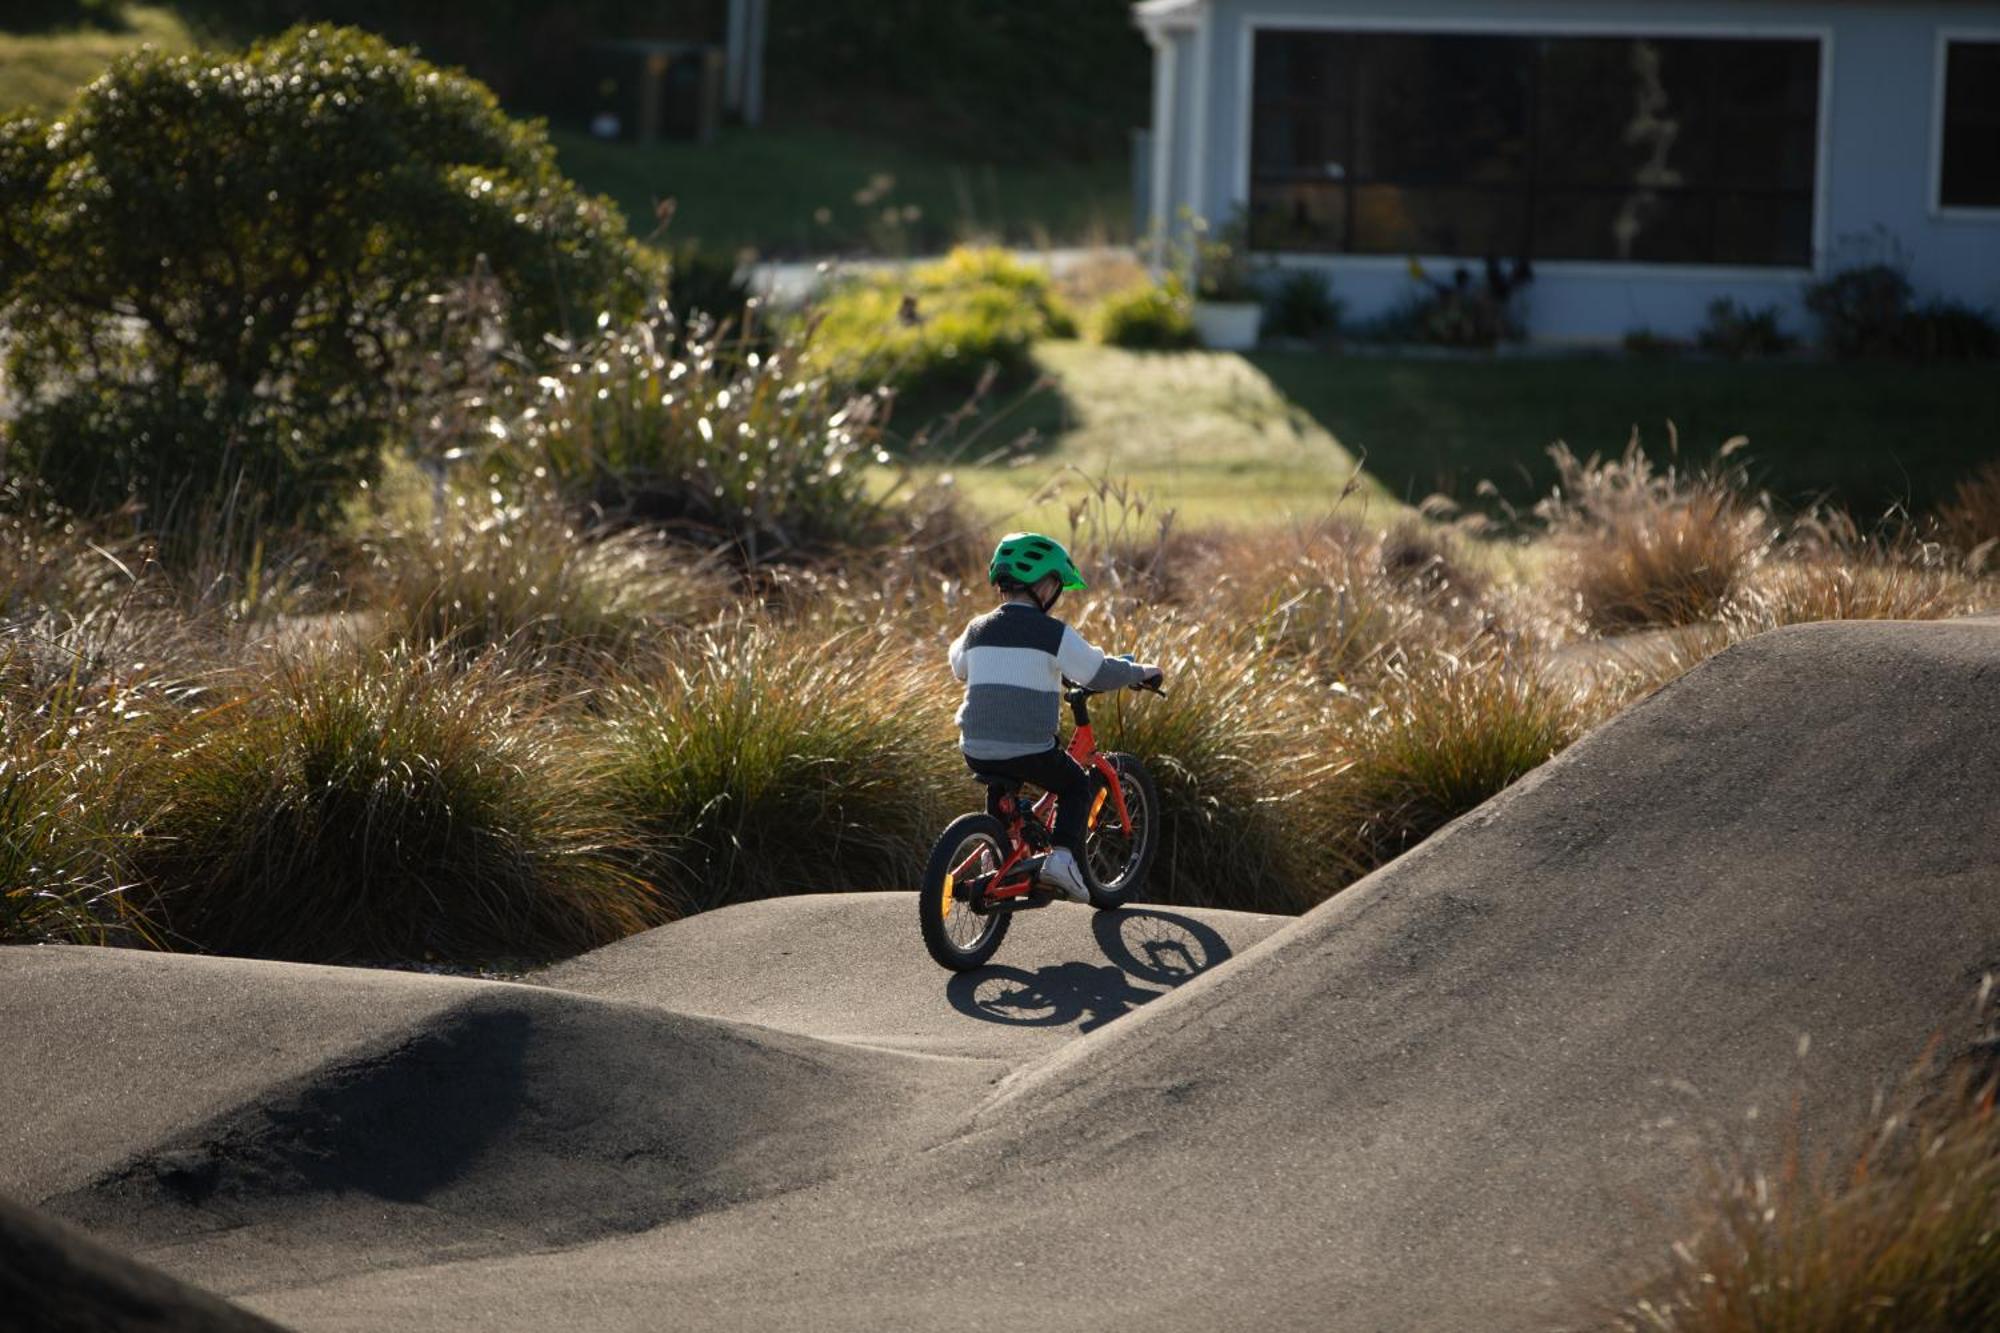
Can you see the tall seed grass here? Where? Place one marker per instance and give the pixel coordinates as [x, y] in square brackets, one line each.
[1440, 736]
[1226, 748]
[763, 763]
[1905, 1239]
[1649, 547]
[522, 575]
[380, 805]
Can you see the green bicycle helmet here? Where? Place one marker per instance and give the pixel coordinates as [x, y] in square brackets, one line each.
[1025, 557]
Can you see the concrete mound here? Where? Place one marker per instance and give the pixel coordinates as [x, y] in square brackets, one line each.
[56, 1279]
[849, 968]
[1469, 1093]
[469, 1117]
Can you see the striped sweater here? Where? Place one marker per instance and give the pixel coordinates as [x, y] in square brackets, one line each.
[1013, 661]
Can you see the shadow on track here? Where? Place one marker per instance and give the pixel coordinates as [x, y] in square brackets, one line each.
[1143, 945]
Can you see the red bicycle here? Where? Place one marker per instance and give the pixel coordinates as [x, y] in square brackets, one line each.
[982, 869]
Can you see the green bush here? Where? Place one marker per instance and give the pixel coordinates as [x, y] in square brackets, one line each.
[1302, 305]
[770, 765]
[1155, 317]
[213, 266]
[360, 805]
[942, 328]
[707, 282]
[1738, 333]
[1862, 309]
[1946, 330]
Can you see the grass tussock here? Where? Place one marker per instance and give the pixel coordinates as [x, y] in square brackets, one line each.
[1904, 1239]
[383, 805]
[1648, 547]
[1223, 747]
[762, 763]
[1970, 520]
[526, 577]
[1439, 736]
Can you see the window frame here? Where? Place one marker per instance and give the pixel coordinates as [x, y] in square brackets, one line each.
[1940, 65]
[1249, 25]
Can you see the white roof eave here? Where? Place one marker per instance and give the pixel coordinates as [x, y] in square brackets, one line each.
[1158, 17]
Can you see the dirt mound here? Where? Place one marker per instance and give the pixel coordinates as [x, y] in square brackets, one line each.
[848, 968]
[55, 1279]
[484, 1117]
[1466, 1094]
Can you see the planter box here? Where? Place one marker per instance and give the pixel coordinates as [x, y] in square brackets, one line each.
[1228, 326]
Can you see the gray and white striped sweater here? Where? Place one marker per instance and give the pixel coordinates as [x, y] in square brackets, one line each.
[1013, 661]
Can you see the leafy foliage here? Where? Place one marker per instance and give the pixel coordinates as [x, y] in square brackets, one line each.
[212, 263]
[1740, 333]
[1302, 305]
[944, 328]
[1156, 316]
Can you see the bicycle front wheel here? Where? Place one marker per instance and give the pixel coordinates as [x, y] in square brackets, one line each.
[1117, 857]
[971, 849]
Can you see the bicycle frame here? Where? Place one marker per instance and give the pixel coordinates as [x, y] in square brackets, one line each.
[1004, 886]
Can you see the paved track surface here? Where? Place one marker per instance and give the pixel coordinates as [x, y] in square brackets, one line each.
[1463, 1095]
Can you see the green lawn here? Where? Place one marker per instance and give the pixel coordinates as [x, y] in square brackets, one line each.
[1223, 438]
[1869, 435]
[40, 71]
[807, 191]
[1204, 433]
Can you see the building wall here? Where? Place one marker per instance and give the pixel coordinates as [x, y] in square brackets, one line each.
[1880, 77]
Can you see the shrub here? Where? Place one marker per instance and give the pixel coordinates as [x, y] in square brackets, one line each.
[383, 805]
[1862, 309]
[1647, 344]
[944, 328]
[768, 764]
[1461, 312]
[1302, 305]
[1649, 548]
[717, 443]
[1738, 333]
[1946, 330]
[1444, 734]
[213, 264]
[523, 577]
[1155, 317]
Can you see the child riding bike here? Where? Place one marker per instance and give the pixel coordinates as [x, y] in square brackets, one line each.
[1013, 661]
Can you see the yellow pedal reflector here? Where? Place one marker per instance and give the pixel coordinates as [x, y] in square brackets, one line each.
[945, 910]
[1097, 805]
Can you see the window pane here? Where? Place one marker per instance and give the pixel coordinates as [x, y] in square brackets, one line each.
[1970, 176]
[1441, 110]
[1638, 226]
[1300, 216]
[1662, 150]
[1440, 220]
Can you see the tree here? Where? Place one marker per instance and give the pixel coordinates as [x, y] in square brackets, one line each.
[212, 266]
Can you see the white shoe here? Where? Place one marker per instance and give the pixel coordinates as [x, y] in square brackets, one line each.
[1061, 870]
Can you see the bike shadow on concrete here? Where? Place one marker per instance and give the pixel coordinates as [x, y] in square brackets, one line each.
[1148, 951]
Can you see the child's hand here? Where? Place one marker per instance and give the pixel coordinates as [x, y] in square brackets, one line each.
[1151, 680]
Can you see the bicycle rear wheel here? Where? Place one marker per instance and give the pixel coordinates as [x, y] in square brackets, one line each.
[1117, 859]
[972, 846]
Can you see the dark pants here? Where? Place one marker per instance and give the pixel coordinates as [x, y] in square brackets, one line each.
[1053, 771]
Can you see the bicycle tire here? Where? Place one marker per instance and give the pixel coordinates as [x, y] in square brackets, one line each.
[943, 918]
[1134, 860]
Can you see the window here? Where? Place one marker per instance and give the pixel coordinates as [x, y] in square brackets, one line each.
[1969, 157]
[1667, 150]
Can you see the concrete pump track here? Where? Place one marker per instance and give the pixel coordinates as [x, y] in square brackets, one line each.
[1471, 1092]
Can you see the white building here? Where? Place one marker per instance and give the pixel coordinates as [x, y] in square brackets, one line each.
[1647, 156]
